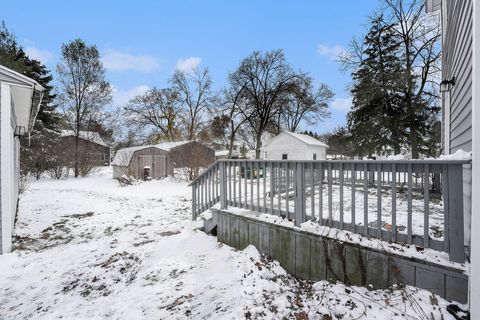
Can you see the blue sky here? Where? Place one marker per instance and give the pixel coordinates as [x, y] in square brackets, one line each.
[143, 41]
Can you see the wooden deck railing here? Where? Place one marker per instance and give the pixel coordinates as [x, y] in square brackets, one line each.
[416, 202]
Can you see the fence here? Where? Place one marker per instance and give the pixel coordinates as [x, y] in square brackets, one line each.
[416, 202]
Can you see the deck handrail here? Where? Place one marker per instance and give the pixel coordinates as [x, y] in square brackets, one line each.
[388, 193]
[204, 172]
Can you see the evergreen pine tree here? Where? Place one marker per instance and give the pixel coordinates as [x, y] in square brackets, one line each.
[375, 121]
[35, 149]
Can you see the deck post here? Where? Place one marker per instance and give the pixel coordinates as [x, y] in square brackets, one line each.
[194, 202]
[455, 213]
[299, 193]
[223, 186]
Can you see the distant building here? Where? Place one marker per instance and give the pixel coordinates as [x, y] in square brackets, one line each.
[93, 148]
[294, 146]
[160, 159]
[20, 99]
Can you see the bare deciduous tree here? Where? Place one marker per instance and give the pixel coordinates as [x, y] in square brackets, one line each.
[420, 47]
[264, 79]
[196, 97]
[303, 105]
[83, 89]
[157, 108]
[233, 98]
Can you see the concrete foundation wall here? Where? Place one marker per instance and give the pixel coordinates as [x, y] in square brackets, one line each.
[313, 257]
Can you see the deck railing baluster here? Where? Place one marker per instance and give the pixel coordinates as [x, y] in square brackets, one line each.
[287, 177]
[340, 172]
[240, 204]
[330, 204]
[271, 186]
[245, 183]
[320, 193]
[251, 184]
[409, 204]
[279, 183]
[312, 190]
[379, 201]
[352, 186]
[394, 202]
[365, 199]
[299, 193]
[426, 207]
[264, 173]
[257, 177]
[446, 216]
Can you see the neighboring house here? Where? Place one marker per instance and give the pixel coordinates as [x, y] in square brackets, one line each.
[161, 159]
[20, 98]
[460, 88]
[93, 148]
[294, 146]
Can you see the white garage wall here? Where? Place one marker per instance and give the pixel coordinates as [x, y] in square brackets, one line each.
[293, 147]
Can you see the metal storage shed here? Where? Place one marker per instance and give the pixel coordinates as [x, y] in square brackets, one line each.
[161, 158]
[132, 161]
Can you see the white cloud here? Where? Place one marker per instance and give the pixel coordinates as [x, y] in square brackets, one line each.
[342, 104]
[44, 56]
[121, 97]
[120, 61]
[188, 64]
[333, 52]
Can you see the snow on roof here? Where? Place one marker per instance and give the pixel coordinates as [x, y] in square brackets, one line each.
[302, 137]
[86, 135]
[124, 156]
[170, 145]
[221, 153]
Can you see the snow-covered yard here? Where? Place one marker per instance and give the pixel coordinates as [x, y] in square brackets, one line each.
[91, 249]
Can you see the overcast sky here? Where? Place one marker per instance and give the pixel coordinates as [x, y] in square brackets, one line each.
[143, 41]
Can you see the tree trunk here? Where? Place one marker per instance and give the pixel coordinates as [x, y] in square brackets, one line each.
[396, 148]
[76, 155]
[258, 145]
[414, 142]
[232, 139]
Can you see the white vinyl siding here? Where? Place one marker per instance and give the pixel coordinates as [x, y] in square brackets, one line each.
[8, 169]
[293, 147]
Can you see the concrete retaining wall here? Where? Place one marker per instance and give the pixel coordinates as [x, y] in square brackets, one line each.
[313, 257]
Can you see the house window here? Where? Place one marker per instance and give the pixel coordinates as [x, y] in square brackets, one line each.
[314, 156]
[284, 156]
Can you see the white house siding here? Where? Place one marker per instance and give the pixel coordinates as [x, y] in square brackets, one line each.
[293, 147]
[321, 152]
[8, 164]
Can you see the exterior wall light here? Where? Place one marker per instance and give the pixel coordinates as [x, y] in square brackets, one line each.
[447, 85]
[19, 131]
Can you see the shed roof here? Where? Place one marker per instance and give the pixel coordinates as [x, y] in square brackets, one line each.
[301, 137]
[91, 136]
[124, 156]
[170, 145]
